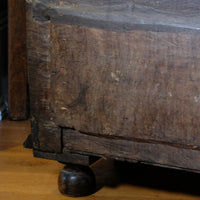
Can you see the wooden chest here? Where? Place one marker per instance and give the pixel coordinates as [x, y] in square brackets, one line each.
[117, 79]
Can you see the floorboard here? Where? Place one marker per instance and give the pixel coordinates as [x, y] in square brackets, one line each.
[24, 177]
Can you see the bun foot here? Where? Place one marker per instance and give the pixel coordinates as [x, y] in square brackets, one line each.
[76, 181]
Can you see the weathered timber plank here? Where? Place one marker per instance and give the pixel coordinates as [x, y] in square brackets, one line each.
[161, 15]
[175, 7]
[119, 78]
[67, 157]
[17, 70]
[131, 150]
[39, 69]
[139, 84]
[46, 135]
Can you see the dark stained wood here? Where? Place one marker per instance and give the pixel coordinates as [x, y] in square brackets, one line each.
[17, 60]
[3, 40]
[46, 135]
[39, 70]
[76, 181]
[120, 82]
[67, 157]
[127, 150]
[136, 84]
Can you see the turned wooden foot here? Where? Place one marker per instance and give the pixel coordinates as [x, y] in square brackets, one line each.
[76, 181]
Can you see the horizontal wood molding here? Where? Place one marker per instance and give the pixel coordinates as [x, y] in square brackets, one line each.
[159, 154]
[67, 157]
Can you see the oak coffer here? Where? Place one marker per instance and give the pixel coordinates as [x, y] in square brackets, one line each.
[117, 79]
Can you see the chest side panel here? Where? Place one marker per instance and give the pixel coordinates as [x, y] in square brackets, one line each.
[136, 84]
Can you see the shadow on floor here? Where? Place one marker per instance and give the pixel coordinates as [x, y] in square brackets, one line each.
[111, 173]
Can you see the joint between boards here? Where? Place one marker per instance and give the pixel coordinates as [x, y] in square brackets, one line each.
[89, 157]
[61, 140]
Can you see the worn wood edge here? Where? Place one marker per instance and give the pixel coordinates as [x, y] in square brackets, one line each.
[38, 62]
[123, 20]
[153, 123]
[67, 157]
[119, 26]
[135, 139]
[46, 136]
[126, 150]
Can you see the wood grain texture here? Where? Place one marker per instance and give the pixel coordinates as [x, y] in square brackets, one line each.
[139, 84]
[127, 150]
[25, 177]
[46, 135]
[39, 61]
[176, 7]
[123, 15]
[17, 60]
[67, 157]
[135, 89]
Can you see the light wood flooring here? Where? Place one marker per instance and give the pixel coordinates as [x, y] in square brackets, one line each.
[23, 177]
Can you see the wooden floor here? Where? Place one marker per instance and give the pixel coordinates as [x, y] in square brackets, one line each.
[24, 177]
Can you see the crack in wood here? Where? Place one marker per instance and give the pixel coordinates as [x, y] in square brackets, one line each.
[139, 140]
